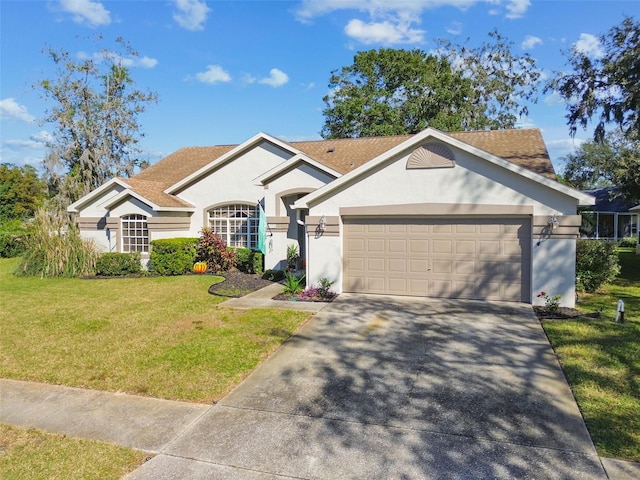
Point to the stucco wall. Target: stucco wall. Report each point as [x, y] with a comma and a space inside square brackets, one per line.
[97, 207]
[232, 182]
[471, 181]
[278, 198]
[554, 262]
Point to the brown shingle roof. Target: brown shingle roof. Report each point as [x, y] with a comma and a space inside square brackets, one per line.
[182, 163]
[154, 192]
[525, 148]
[346, 154]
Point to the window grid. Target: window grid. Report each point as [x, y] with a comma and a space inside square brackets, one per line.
[135, 234]
[236, 224]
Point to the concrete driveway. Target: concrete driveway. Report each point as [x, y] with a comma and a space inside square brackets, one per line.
[395, 387]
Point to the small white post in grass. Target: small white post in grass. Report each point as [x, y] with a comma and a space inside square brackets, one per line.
[620, 312]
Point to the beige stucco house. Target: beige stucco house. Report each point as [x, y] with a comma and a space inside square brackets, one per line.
[459, 215]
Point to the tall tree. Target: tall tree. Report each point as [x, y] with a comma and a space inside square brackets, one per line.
[22, 191]
[613, 161]
[503, 82]
[95, 112]
[605, 87]
[390, 92]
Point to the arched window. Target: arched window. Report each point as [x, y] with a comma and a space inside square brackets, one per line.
[236, 224]
[135, 233]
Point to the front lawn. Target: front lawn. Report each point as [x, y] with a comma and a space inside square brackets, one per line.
[601, 359]
[157, 336]
[28, 454]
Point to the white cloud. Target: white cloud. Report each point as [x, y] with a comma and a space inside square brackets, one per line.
[36, 141]
[146, 62]
[129, 61]
[276, 78]
[561, 147]
[213, 74]
[553, 99]
[530, 42]
[455, 28]
[86, 11]
[248, 79]
[394, 22]
[517, 8]
[589, 45]
[12, 110]
[41, 137]
[383, 32]
[310, 9]
[191, 14]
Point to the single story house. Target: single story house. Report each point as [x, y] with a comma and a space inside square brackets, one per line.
[457, 215]
[611, 218]
[636, 210]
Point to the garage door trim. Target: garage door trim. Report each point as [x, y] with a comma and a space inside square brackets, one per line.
[475, 256]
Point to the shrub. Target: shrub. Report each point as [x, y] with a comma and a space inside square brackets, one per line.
[55, 249]
[249, 261]
[212, 249]
[173, 256]
[273, 275]
[13, 238]
[117, 264]
[319, 293]
[596, 264]
[627, 242]
[258, 262]
[293, 284]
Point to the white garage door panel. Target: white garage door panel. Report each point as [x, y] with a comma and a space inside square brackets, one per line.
[486, 258]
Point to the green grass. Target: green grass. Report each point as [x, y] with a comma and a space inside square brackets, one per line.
[157, 336]
[28, 454]
[601, 359]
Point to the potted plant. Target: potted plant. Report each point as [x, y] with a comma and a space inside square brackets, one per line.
[292, 256]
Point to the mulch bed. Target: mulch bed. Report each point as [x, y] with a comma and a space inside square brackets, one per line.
[563, 313]
[292, 298]
[240, 281]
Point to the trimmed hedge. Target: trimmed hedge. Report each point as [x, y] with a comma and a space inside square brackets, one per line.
[118, 264]
[173, 256]
[274, 275]
[249, 261]
[596, 264]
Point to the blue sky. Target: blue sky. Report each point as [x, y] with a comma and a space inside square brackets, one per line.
[225, 70]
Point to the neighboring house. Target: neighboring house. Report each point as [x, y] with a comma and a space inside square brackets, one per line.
[636, 209]
[459, 215]
[611, 218]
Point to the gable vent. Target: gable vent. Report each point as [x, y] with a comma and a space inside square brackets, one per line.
[431, 155]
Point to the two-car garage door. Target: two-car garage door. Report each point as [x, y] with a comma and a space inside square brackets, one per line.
[480, 258]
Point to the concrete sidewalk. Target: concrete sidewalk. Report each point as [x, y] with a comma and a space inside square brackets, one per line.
[263, 298]
[146, 424]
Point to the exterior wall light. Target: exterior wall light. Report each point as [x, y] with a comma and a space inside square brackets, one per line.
[552, 222]
[323, 224]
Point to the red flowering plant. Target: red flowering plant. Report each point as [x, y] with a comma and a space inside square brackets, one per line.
[551, 303]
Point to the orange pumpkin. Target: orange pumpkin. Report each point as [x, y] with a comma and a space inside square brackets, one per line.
[200, 267]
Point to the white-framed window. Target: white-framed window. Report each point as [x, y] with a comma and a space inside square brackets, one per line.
[236, 224]
[135, 233]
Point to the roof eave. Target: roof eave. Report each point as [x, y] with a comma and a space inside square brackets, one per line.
[292, 163]
[75, 206]
[582, 198]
